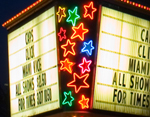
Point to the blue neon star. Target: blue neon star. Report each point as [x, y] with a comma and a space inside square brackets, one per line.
[88, 47]
[73, 16]
[68, 98]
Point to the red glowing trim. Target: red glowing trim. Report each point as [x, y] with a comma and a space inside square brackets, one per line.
[135, 4]
[61, 13]
[65, 47]
[62, 34]
[89, 10]
[77, 81]
[84, 102]
[130, 2]
[79, 32]
[142, 6]
[85, 65]
[66, 65]
[23, 11]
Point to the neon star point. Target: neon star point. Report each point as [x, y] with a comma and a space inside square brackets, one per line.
[85, 65]
[89, 11]
[66, 65]
[70, 46]
[61, 13]
[62, 34]
[68, 98]
[88, 47]
[84, 102]
[79, 82]
[79, 32]
[73, 16]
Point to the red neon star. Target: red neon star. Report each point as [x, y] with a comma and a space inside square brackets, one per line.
[89, 10]
[79, 82]
[70, 46]
[62, 34]
[85, 65]
[66, 65]
[79, 32]
[84, 102]
[61, 13]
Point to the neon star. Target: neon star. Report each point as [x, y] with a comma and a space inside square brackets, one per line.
[66, 65]
[68, 98]
[85, 65]
[89, 11]
[70, 46]
[79, 82]
[62, 34]
[84, 102]
[79, 32]
[61, 13]
[73, 16]
[88, 47]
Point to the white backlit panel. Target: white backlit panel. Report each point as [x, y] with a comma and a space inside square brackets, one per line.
[123, 67]
[33, 67]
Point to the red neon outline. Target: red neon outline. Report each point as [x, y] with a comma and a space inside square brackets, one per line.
[79, 32]
[60, 36]
[84, 102]
[84, 77]
[64, 47]
[90, 6]
[60, 16]
[85, 65]
[66, 65]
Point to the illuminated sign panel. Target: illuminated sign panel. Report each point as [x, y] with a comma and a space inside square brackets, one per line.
[33, 66]
[123, 68]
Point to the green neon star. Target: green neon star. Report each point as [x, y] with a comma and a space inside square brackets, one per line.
[68, 98]
[73, 16]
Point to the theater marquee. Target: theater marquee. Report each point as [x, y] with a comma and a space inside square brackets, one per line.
[123, 67]
[33, 66]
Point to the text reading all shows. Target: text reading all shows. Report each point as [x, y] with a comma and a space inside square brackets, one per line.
[138, 90]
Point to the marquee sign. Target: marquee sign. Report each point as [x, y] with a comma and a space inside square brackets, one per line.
[70, 58]
[33, 66]
[122, 75]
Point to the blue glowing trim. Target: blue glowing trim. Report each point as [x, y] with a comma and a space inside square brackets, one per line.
[88, 47]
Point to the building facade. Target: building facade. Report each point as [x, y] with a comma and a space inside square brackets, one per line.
[80, 59]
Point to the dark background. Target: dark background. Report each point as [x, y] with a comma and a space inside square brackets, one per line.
[9, 8]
